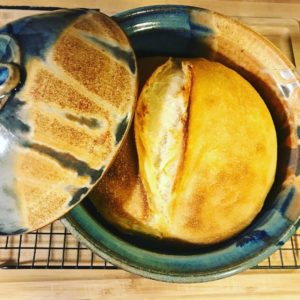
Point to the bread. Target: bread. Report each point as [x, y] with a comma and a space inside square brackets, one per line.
[207, 153]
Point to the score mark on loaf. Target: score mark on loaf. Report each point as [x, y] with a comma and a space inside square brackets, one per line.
[206, 149]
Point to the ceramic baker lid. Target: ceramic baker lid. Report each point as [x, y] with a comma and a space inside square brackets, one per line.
[68, 86]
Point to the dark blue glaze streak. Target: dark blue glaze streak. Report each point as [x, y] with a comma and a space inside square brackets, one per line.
[9, 117]
[4, 74]
[12, 232]
[6, 48]
[126, 56]
[36, 34]
[280, 243]
[122, 126]
[166, 31]
[78, 195]
[254, 236]
[298, 132]
[92, 123]
[287, 200]
[67, 161]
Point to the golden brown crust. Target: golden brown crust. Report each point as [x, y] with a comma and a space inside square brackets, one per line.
[231, 157]
[223, 156]
[120, 195]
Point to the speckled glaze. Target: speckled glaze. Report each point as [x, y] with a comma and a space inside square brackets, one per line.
[68, 84]
[191, 32]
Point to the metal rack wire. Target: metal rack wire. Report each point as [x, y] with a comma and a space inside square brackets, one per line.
[53, 247]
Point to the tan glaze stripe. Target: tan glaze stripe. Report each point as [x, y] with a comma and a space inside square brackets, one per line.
[38, 201]
[58, 104]
[102, 27]
[91, 123]
[56, 131]
[120, 56]
[56, 92]
[102, 75]
[60, 129]
[30, 163]
[114, 112]
[63, 136]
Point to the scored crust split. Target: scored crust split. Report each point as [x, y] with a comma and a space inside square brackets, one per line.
[206, 149]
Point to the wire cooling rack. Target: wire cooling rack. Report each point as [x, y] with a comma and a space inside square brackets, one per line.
[53, 247]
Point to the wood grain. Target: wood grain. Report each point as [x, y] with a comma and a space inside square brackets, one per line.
[256, 8]
[117, 284]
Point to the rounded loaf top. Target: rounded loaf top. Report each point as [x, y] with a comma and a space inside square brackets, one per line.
[207, 151]
[68, 89]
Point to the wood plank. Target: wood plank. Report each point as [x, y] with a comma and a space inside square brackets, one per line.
[289, 9]
[117, 284]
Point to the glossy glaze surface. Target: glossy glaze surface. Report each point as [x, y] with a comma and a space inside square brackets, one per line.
[68, 88]
[186, 31]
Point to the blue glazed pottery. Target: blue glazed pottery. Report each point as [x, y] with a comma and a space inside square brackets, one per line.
[68, 84]
[181, 31]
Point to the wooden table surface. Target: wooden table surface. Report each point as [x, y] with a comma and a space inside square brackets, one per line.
[117, 284]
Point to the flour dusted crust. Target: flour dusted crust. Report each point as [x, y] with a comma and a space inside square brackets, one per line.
[206, 150]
